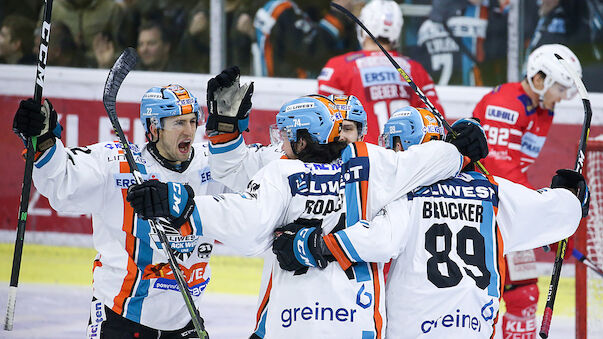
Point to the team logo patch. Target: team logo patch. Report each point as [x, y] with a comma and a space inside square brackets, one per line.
[501, 114]
[325, 74]
[204, 250]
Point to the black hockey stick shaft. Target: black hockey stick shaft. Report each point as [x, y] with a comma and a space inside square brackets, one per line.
[123, 65]
[404, 75]
[562, 246]
[26, 185]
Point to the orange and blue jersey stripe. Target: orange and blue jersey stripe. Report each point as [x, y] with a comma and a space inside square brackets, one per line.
[134, 289]
[260, 321]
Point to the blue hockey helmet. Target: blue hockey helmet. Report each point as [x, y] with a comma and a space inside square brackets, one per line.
[351, 108]
[314, 113]
[413, 126]
[167, 101]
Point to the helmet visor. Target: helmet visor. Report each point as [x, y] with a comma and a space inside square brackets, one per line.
[277, 135]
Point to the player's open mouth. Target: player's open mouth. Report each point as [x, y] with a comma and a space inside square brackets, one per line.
[184, 147]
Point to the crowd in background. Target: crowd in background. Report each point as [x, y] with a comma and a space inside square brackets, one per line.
[459, 42]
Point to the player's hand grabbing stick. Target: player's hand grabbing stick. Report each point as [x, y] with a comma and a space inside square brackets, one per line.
[29, 160]
[123, 65]
[550, 301]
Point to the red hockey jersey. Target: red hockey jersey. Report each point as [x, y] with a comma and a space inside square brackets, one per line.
[516, 129]
[377, 84]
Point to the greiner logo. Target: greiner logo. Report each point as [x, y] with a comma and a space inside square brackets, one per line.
[458, 320]
[318, 313]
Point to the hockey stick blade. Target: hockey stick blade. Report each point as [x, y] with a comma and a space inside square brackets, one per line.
[123, 65]
[406, 77]
[562, 246]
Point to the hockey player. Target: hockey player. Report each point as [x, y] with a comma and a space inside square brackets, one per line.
[447, 241]
[304, 188]
[369, 75]
[517, 118]
[134, 294]
[410, 126]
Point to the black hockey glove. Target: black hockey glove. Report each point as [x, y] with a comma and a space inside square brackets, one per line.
[470, 139]
[298, 245]
[34, 120]
[228, 103]
[153, 199]
[574, 182]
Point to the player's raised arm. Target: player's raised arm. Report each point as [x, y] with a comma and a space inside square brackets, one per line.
[231, 161]
[65, 176]
[530, 219]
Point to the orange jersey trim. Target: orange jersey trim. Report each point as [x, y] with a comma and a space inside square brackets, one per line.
[132, 270]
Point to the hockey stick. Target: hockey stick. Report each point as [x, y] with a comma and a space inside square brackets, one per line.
[26, 185]
[582, 258]
[587, 262]
[123, 65]
[404, 75]
[562, 246]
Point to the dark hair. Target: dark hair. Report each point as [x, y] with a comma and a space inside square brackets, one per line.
[148, 25]
[21, 29]
[318, 153]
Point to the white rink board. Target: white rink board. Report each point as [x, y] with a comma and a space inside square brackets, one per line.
[269, 93]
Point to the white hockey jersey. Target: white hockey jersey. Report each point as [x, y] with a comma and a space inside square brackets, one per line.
[131, 274]
[234, 163]
[321, 303]
[448, 242]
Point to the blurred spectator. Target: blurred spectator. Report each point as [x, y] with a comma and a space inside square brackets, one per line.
[24, 8]
[154, 48]
[173, 15]
[62, 50]
[561, 21]
[87, 18]
[16, 40]
[240, 32]
[291, 42]
[369, 75]
[342, 29]
[452, 40]
[193, 50]
[103, 47]
[576, 24]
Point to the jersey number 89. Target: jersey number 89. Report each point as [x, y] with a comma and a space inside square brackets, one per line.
[472, 256]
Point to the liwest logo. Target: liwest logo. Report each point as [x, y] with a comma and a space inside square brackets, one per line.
[501, 114]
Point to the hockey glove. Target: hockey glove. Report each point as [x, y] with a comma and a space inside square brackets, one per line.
[228, 104]
[470, 139]
[153, 199]
[33, 120]
[298, 245]
[574, 182]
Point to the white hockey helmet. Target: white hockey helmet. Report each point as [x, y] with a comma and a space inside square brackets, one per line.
[383, 18]
[543, 59]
